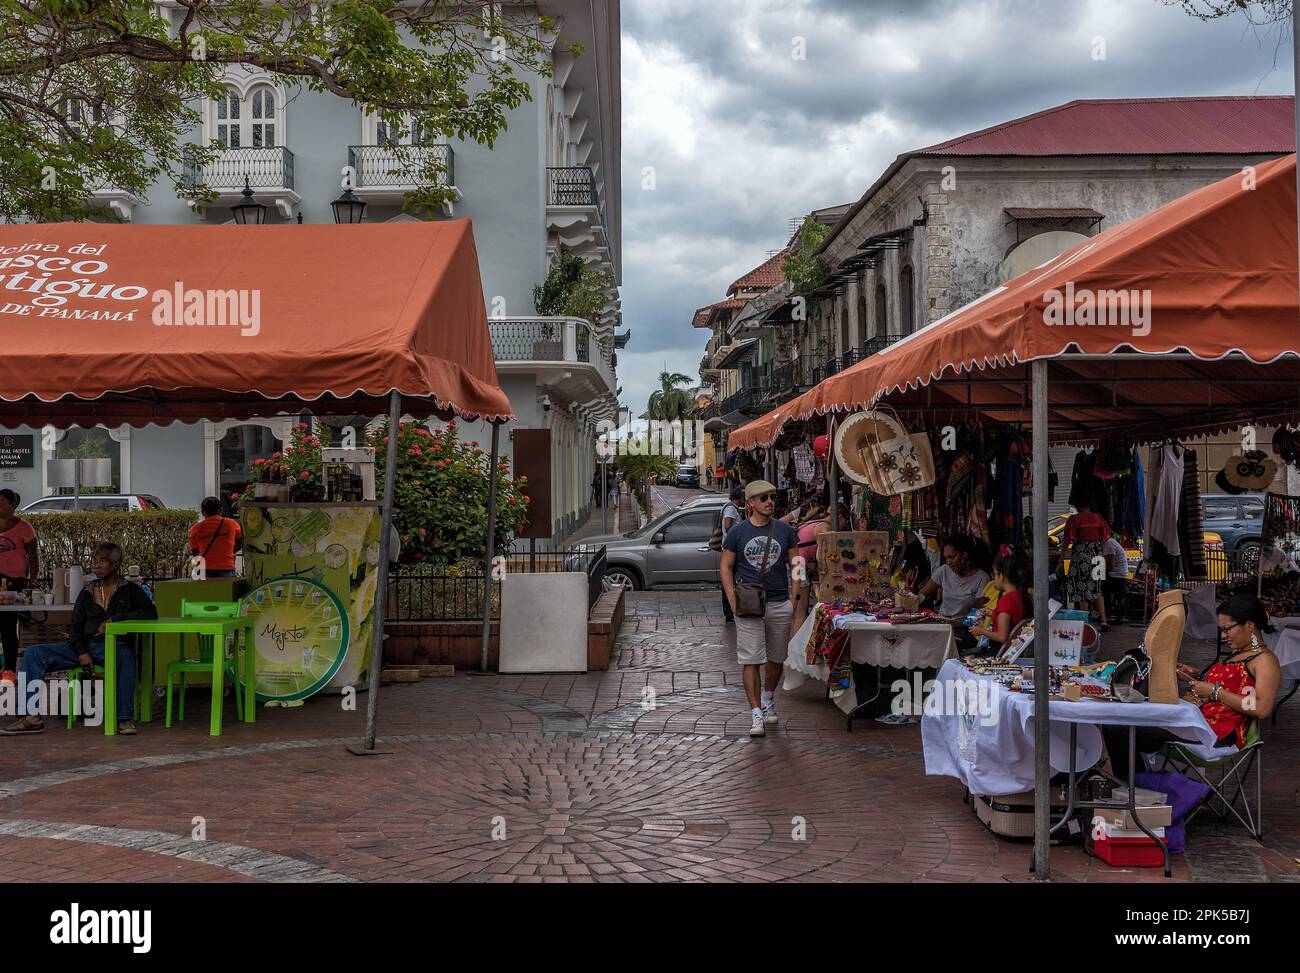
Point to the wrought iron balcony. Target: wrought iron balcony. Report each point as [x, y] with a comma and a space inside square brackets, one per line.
[399, 167]
[571, 186]
[264, 168]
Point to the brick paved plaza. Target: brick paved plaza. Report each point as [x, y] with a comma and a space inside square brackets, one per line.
[587, 784]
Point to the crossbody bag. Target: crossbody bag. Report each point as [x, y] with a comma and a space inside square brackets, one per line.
[751, 597]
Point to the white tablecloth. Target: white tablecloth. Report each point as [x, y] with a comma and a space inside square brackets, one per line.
[1285, 643]
[871, 643]
[978, 731]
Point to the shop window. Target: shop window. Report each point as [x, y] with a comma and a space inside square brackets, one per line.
[93, 443]
[237, 452]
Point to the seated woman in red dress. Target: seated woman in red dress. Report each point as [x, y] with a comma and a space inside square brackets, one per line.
[1241, 688]
[1010, 575]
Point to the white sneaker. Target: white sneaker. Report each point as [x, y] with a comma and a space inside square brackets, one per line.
[769, 713]
[758, 730]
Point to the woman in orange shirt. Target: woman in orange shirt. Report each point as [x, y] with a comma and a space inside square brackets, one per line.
[215, 539]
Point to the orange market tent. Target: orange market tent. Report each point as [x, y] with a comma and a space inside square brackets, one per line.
[109, 323]
[344, 315]
[1184, 321]
[1202, 294]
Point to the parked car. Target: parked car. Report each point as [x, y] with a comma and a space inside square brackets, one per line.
[1239, 520]
[715, 500]
[671, 549]
[688, 476]
[1216, 563]
[96, 501]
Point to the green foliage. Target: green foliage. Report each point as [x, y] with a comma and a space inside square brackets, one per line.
[803, 268]
[157, 540]
[640, 468]
[668, 401]
[441, 494]
[572, 289]
[452, 70]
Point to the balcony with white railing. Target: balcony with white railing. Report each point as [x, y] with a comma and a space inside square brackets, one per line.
[386, 173]
[564, 353]
[267, 171]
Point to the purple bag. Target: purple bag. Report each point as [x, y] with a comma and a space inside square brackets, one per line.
[1184, 795]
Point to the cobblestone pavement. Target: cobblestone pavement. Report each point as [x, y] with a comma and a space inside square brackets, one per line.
[550, 779]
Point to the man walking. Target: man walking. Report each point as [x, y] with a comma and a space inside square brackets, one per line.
[762, 550]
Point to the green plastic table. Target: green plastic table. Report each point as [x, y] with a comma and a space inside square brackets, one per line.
[216, 628]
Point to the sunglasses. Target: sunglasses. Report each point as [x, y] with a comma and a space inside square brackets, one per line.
[765, 497]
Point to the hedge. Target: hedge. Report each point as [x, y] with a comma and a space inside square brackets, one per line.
[157, 540]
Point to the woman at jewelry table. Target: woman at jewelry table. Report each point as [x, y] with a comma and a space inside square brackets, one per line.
[18, 564]
[961, 584]
[1010, 575]
[1241, 688]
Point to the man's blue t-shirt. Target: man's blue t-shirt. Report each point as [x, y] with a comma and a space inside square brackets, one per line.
[746, 542]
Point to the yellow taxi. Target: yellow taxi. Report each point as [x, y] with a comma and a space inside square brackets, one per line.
[1216, 560]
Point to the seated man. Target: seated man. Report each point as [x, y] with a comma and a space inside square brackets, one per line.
[109, 598]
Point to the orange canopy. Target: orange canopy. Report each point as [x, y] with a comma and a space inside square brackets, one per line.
[147, 324]
[1165, 323]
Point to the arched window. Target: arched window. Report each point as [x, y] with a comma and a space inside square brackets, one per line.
[844, 327]
[247, 121]
[882, 310]
[906, 313]
[862, 314]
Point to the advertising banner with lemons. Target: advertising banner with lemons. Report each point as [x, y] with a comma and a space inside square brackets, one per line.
[312, 570]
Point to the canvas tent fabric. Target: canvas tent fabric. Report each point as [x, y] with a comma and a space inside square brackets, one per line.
[137, 324]
[1217, 347]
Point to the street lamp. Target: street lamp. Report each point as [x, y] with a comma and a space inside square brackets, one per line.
[248, 211]
[347, 208]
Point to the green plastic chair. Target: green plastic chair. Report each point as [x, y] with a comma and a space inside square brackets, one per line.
[74, 696]
[1228, 778]
[203, 609]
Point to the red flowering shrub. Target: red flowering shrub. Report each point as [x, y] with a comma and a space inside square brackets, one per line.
[440, 497]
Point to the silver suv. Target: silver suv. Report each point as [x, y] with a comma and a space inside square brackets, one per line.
[671, 549]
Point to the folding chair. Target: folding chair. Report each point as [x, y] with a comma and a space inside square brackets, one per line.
[1219, 769]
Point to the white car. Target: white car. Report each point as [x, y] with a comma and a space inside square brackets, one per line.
[95, 501]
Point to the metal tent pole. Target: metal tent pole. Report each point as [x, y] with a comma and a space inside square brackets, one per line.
[385, 549]
[1042, 727]
[832, 472]
[491, 538]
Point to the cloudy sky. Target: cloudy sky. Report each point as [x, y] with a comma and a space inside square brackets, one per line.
[742, 136]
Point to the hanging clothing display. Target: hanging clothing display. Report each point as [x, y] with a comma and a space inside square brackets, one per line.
[1169, 490]
[804, 466]
[1281, 528]
[1191, 520]
[1011, 463]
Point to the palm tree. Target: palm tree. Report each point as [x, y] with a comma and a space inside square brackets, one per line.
[671, 402]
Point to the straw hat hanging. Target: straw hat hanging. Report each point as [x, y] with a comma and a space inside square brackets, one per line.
[854, 439]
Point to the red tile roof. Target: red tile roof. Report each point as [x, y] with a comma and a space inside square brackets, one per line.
[705, 315]
[1139, 126]
[766, 275]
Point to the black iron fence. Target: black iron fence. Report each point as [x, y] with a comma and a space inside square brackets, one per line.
[265, 168]
[395, 167]
[422, 593]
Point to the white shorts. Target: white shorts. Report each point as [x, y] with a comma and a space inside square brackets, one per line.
[765, 639]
